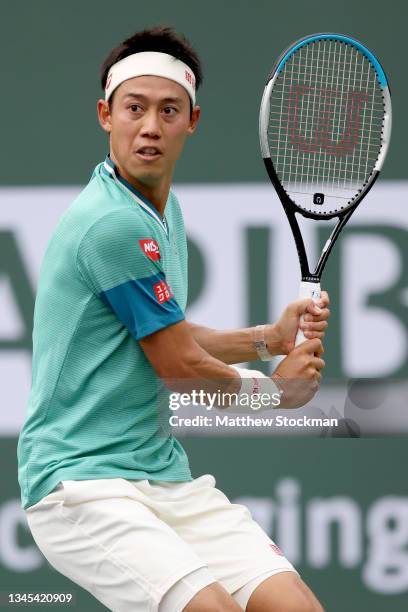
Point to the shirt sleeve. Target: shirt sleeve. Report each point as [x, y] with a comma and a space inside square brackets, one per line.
[120, 261]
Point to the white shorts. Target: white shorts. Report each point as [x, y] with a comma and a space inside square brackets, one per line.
[147, 546]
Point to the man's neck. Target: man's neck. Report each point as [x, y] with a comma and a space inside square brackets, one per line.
[156, 194]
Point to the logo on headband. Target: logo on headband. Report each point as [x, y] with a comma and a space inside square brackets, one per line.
[108, 82]
[189, 78]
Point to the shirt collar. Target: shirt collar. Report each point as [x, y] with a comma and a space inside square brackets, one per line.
[109, 169]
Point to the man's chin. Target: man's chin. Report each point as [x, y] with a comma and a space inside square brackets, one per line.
[146, 174]
[149, 179]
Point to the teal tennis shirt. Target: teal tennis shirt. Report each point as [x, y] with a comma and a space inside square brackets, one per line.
[114, 271]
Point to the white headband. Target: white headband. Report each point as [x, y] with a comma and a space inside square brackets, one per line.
[151, 63]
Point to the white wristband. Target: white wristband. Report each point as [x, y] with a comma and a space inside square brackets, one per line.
[255, 383]
[260, 344]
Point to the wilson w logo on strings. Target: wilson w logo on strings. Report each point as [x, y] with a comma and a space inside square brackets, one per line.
[327, 119]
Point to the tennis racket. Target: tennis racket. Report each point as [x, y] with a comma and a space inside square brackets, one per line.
[324, 128]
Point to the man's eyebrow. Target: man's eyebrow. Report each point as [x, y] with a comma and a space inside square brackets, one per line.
[145, 98]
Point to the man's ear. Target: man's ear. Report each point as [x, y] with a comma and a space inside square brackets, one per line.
[104, 115]
[195, 116]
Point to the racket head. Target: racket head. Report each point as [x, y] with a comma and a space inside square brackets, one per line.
[325, 124]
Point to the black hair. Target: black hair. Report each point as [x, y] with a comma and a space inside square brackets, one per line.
[160, 38]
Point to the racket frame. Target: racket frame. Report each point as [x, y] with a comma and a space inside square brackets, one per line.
[290, 207]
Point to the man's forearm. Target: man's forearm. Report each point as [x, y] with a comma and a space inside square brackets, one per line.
[233, 345]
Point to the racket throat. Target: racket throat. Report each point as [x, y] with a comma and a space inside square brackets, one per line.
[311, 279]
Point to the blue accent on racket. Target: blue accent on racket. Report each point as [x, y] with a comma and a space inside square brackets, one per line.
[342, 38]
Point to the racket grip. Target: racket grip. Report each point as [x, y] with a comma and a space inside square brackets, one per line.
[307, 289]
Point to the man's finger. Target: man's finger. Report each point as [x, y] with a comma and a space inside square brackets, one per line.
[324, 299]
[311, 346]
[313, 309]
[313, 334]
[324, 314]
[299, 307]
[314, 325]
[318, 363]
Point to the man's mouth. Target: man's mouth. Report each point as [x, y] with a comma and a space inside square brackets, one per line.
[148, 152]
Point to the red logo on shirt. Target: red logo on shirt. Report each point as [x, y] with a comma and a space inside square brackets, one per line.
[276, 549]
[163, 292]
[150, 248]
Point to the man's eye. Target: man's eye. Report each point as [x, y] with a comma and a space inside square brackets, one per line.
[169, 110]
[135, 108]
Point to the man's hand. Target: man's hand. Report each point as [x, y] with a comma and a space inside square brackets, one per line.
[298, 375]
[282, 335]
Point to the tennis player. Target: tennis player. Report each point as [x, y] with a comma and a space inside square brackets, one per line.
[109, 499]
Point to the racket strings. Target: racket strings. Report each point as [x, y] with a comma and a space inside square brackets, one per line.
[325, 122]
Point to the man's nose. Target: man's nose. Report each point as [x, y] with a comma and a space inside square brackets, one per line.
[151, 124]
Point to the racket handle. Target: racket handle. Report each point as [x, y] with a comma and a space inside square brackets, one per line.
[307, 289]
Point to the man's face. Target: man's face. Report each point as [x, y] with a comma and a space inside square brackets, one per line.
[148, 123]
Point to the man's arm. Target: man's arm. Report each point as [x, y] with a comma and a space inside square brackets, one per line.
[232, 345]
[178, 359]
[183, 365]
[237, 345]
[174, 353]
